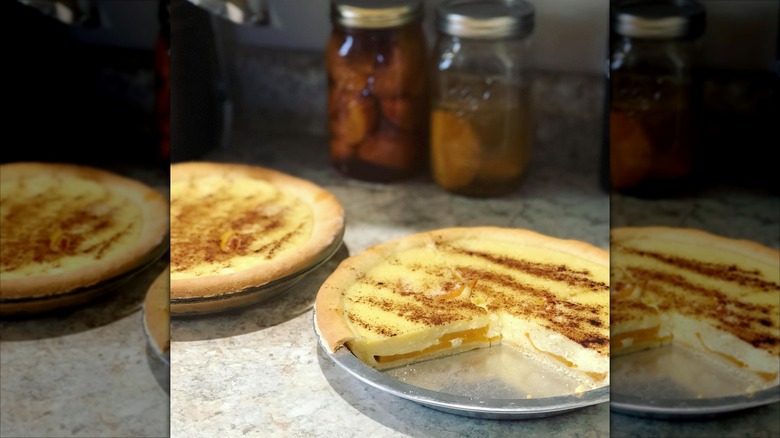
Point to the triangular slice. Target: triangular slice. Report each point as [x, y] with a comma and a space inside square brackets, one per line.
[157, 314]
[445, 291]
[717, 295]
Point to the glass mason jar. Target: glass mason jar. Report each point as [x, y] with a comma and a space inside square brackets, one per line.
[377, 89]
[481, 121]
[651, 121]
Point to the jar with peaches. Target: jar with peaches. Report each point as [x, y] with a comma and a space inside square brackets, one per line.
[481, 121]
[376, 63]
[652, 132]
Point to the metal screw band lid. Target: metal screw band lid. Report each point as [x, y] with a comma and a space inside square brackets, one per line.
[375, 14]
[659, 19]
[485, 19]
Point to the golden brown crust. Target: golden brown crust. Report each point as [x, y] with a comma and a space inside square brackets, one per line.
[30, 227]
[327, 222]
[327, 307]
[330, 321]
[157, 312]
[700, 237]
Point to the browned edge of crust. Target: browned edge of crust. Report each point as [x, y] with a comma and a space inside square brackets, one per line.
[329, 319]
[328, 215]
[152, 204]
[156, 311]
[743, 247]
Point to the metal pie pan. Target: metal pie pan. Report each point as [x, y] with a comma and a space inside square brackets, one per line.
[164, 356]
[677, 382]
[691, 408]
[65, 300]
[462, 399]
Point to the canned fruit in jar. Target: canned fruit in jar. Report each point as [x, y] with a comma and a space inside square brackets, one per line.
[378, 101]
[480, 152]
[390, 148]
[455, 150]
[500, 169]
[348, 73]
[352, 118]
[398, 73]
[631, 153]
[340, 150]
[403, 112]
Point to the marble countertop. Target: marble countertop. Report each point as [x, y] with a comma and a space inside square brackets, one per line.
[259, 371]
[87, 371]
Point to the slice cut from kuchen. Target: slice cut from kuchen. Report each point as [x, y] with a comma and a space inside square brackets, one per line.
[157, 314]
[450, 290]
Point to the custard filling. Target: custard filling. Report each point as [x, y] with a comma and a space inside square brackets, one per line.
[764, 375]
[472, 336]
[557, 357]
[594, 375]
[642, 336]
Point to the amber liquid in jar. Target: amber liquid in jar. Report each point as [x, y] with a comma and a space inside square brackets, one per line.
[377, 102]
[480, 134]
[651, 134]
[652, 130]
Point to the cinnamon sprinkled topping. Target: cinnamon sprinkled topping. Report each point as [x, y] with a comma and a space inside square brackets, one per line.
[560, 273]
[750, 322]
[68, 229]
[731, 273]
[258, 226]
[499, 286]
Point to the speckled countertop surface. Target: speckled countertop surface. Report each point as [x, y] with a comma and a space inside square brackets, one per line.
[87, 371]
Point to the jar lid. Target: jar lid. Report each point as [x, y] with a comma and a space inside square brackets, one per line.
[659, 19]
[485, 19]
[375, 14]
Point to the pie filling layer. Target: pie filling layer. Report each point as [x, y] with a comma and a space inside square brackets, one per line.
[719, 302]
[473, 337]
[767, 376]
[641, 339]
[464, 340]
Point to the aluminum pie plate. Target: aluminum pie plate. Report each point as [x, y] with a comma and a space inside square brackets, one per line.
[488, 383]
[196, 306]
[162, 354]
[673, 382]
[76, 297]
